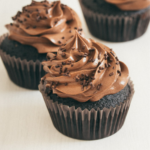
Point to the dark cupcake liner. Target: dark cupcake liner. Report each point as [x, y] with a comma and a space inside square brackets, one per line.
[116, 28]
[24, 73]
[85, 124]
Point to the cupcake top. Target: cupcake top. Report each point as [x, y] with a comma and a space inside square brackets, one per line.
[130, 4]
[84, 70]
[44, 25]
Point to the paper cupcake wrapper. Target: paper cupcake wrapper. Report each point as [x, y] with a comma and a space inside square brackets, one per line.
[24, 73]
[85, 124]
[116, 28]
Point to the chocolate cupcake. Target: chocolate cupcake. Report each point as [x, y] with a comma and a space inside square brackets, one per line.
[40, 28]
[116, 20]
[87, 89]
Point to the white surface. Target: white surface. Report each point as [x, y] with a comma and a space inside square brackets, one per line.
[24, 120]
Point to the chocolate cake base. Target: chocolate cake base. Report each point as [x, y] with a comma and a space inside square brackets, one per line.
[107, 22]
[22, 62]
[90, 120]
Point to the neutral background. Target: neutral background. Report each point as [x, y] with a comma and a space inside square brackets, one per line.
[24, 120]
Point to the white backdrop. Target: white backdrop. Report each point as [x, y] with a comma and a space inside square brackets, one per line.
[24, 120]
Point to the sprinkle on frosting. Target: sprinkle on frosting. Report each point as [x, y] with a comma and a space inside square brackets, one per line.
[43, 24]
[84, 70]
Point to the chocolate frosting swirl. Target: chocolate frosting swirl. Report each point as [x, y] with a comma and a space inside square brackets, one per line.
[44, 25]
[84, 70]
[130, 4]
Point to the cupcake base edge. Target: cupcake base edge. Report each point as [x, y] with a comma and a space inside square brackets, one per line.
[85, 124]
[26, 74]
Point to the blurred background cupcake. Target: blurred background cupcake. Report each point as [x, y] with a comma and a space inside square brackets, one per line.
[87, 89]
[116, 20]
[40, 28]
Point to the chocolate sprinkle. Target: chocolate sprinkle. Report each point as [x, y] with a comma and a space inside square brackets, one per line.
[63, 54]
[63, 63]
[65, 70]
[111, 74]
[46, 11]
[48, 89]
[72, 65]
[57, 66]
[112, 53]
[80, 29]
[28, 15]
[66, 84]
[109, 65]
[119, 72]
[98, 86]
[17, 25]
[106, 65]
[101, 68]
[99, 71]
[83, 47]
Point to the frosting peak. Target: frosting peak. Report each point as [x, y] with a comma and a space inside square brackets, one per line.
[44, 25]
[130, 4]
[84, 70]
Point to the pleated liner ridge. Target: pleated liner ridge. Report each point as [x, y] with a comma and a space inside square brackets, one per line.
[85, 124]
[24, 73]
[116, 28]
